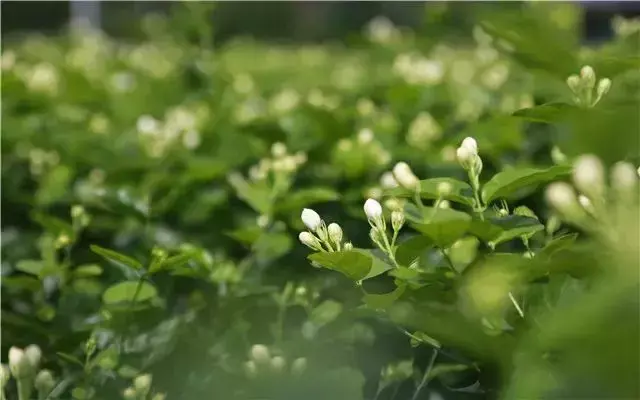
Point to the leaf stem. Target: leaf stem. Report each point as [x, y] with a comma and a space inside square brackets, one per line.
[449, 262]
[516, 305]
[427, 372]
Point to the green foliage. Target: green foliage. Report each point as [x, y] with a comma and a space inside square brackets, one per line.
[152, 193]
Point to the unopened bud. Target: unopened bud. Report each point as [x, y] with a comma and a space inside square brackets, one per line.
[444, 204]
[603, 87]
[278, 363]
[404, 176]
[624, 177]
[44, 382]
[573, 82]
[471, 144]
[77, 211]
[444, 189]
[348, 246]
[387, 181]
[335, 233]
[260, 353]
[586, 203]
[311, 219]
[278, 150]
[561, 196]
[301, 291]
[393, 204]
[372, 209]
[557, 155]
[365, 136]
[588, 76]
[588, 175]
[374, 234]
[299, 365]
[465, 157]
[129, 394]
[142, 384]
[397, 220]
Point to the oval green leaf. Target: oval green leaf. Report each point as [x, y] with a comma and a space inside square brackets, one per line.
[355, 265]
[460, 192]
[127, 291]
[116, 257]
[506, 183]
[442, 225]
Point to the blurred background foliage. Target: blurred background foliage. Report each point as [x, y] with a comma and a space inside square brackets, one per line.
[163, 130]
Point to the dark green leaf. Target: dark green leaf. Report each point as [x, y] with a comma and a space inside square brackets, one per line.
[87, 270]
[410, 250]
[33, 267]
[326, 312]
[383, 301]
[355, 265]
[506, 183]
[116, 257]
[548, 113]
[502, 229]
[443, 226]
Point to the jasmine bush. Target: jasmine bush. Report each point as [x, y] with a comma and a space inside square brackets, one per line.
[465, 203]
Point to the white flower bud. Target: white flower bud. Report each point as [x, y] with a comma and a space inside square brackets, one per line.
[573, 82]
[142, 383]
[393, 204]
[387, 181]
[260, 353]
[588, 175]
[560, 195]
[5, 375]
[444, 204]
[278, 149]
[299, 365]
[348, 246]
[311, 219]
[444, 189]
[309, 240]
[44, 382]
[624, 176]
[335, 233]
[603, 86]
[129, 394]
[465, 157]
[372, 209]
[33, 354]
[159, 396]
[278, 363]
[365, 136]
[586, 203]
[588, 76]
[19, 363]
[404, 176]
[77, 211]
[397, 220]
[471, 144]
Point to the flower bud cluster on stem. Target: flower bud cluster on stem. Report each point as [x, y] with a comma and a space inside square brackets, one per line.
[469, 159]
[262, 362]
[378, 232]
[583, 85]
[319, 237]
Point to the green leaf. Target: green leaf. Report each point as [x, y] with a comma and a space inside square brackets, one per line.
[410, 250]
[256, 195]
[548, 113]
[378, 266]
[272, 245]
[326, 312]
[116, 257]
[53, 225]
[125, 292]
[70, 358]
[355, 265]
[460, 192]
[33, 267]
[172, 262]
[246, 235]
[87, 270]
[441, 225]
[501, 229]
[506, 183]
[383, 301]
[305, 197]
[557, 244]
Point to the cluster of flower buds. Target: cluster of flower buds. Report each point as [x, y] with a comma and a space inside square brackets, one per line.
[359, 155]
[467, 155]
[424, 130]
[589, 179]
[261, 361]
[318, 99]
[180, 123]
[583, 85]
[24, 366]
[381, 30]
[320, 235]
[378, 232]
[284, 101]
[417, 70]
[281, 162]
[141, 388]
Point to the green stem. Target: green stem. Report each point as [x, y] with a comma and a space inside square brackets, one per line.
[418, 199]
[389, 249]
[449, 262]
[516, 305]
[427, 372]
[24, 389]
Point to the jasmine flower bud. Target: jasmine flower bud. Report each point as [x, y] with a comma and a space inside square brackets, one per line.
[375, 236]
[311, 219]
[44, 382]
[278, 363]
[299, 365]
[444, 189]
[278, 150]
[603, 87]
[260, 353]
[404, 176]
[623, 176]
[471, 144]
[588, 76]
[142, 384]
[465, 157]
[560, 195]
[33, 354]
[309, 240]
[573, 82]
[588, 175]
[348, 246]
[586, 203]
[335, 233]
[387, 181]
[397, 220]
[372, 209]
[18, 363]
[129, 394]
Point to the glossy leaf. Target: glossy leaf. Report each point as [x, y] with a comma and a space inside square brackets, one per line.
[501, 229]
[505, 184]
[355, 265]
[548, 113]
[460, 192]
[441, 225]
[410, 250]
[116, 257]
[127, 292]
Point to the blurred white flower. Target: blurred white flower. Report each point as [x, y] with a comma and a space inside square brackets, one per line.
[588, 175]
[387, 181]
[191, 139]
[365, 136]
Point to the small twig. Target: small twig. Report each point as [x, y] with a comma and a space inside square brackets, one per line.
[427, 372]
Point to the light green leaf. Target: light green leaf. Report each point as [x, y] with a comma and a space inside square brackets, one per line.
[256, 195]
[33, 267]
[383, 301]
[125, 292]
[410, 250]
[326, 312]
[460, 192]
[378, 266]
[304, 197]
[507, 183]
[502, 229]
[548, 113]
[355, 265]
[87, 270]
[557, 244]
[116, 257]
[442, 225]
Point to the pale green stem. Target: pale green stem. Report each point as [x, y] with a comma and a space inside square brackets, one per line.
[24, 388]
[516, 305]
[427, 372]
